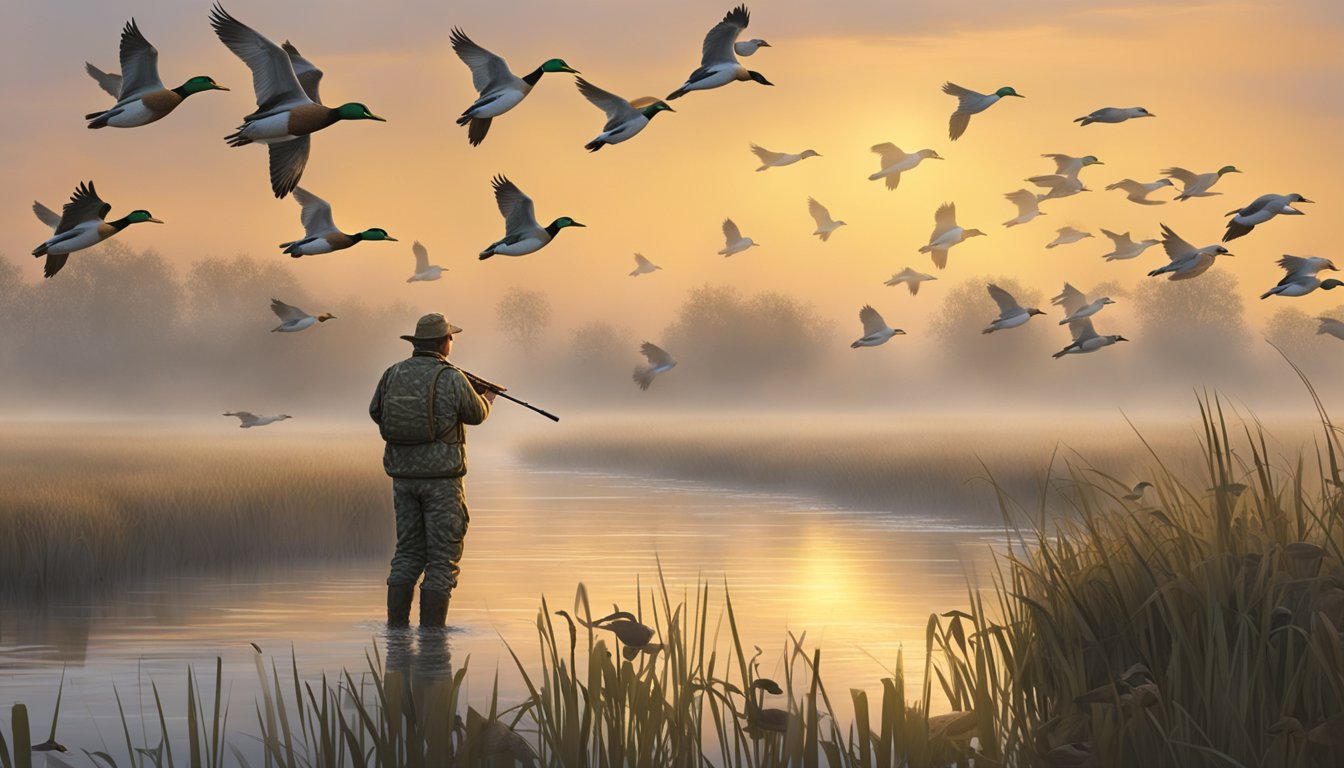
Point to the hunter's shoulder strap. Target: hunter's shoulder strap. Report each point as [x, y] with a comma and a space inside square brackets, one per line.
[434, 395]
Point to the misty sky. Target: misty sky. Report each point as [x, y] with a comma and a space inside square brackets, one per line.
[1242, 84]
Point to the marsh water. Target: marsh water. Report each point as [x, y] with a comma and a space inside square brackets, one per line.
[861, 584]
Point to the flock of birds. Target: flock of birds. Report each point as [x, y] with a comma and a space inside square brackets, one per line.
[290, 111]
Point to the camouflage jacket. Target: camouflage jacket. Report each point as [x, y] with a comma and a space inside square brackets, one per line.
[442, 453]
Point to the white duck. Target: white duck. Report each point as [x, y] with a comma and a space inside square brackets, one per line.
[624, 119]
[1068, 165]
[734, 241]
[946, 233]
[1197, 184]
[780, 159]
[895, 162]
[1301, 277]
[248, 419]
[1075, 304]
[1126, 248]
[1187, 261]
[1137, 192]
[876, 332]
[1086, 339]
[1011, 314]
[659, 362]
[825, 224]
[910, 278]
[718, 59]
[1113, 115]
[424, 271]
[1331, 327]
[1027, 207]
[1067, 235]
[1260, 210]
[971, 103]
[293, 319]
[643, 266]
[1060, 185]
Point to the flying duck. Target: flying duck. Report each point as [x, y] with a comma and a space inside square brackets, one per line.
[659, 362]
[1068, 165]
[718, 59]
[1113, 115]
[780, 159]
[911, 278]
[1075, 304]
[624, 119]
[825, 224]
[424, 271]
[141, 97]
[1301, 276]
[320, 234]
[248, 420]
[522, 233]
[734, 242]
[1137, 192]
[894, 161]
[1124, 247]
[1067, 235]
[876, 332]
[500, 90]
[1197, 184]
[946, 234]
[1262, 209]
[971, 103]
[1331, 326]
[1011, 314]
[293, 319]
[1187, 261]
[1059, 184]
[82, 225]
[643, 266]
[286, 115]
[1027, 207]
[1086, 339]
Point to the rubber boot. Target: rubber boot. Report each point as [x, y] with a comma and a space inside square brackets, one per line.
[399, 597]
[433, 607]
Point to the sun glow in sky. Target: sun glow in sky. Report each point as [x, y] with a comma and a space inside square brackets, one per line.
[1241, 84]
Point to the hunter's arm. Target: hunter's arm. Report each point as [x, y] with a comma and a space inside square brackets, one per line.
[376, 406]
[471, 407]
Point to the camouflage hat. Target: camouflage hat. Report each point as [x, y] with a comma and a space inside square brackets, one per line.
[433, 326]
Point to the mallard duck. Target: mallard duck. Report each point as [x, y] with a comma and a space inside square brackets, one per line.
[81, 226]
[895, 161]
[911, 278]
[1011, 314]
[500, 90]
[1086, 339]
[320, 234]
[1330, 326]
[309, 75]
[1075, 304]
[1187, 261]
[1066, 235]
[1113, 115]
[876, 332]
[624, 119]
[1260, 210]
[971, 103]
[1125, 247]
[1028, 207]
[946, 233]
[293, 319]
[141, 97]
[286, 116]
[659, 362]
[825, 224]
[643, 266]
[424, 271]
[247, 419]
[780, 159]
[718, 58]
[734, 242]
[1301, 276]
[1197, 184]
[522, 233]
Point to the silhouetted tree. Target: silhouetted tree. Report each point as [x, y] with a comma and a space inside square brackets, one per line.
[1195, 326]
[523, 316]
[1004, 359]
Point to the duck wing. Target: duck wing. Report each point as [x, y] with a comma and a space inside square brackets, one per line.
[642, 262]
[84, 205]
[273, 79]
[1062, 162]
[516, 207]
[1297, 266]
[287, 312]
[106, 80]
[421, 257]
[1172, 243]
[1121, 241]
[730, 232]
[139, 63]
[718, 45]
[316, 213]
[656, 355]
[872, 321]
[487, 69]
[767, 157]
[1180, 174]
[246, 417]
[819, 213]
[889, 153]
[1071, 299]
[46, 215]
[309, 76]
[1025, 200]
[618, 110]
[945, 219]
[1082, 330]
[1008, 306]
[287, 161]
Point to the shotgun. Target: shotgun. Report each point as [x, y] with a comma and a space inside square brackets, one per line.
[481, 385]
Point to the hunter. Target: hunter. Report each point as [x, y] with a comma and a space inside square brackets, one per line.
[421, 406]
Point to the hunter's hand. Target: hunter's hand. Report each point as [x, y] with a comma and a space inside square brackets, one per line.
[489, 396]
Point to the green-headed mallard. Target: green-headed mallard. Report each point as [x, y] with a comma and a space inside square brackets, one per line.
[141, 97]
[286, 115]
[320, 234]
[1300, 276]
[81, 226]
[718, 57]
[624, 118]
[522, 233]
[971, 103]
[500, 90]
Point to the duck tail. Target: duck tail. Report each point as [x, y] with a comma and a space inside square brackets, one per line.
[1061, 353]
[594, 145]
[855, 345]
[822, 235]
[677, 94]
[1083, 120]
[463, 120]
[40, 250]
[1268, 293]
[990, 329]
[237, 139]
[485, 255]
[1235, 230]
[476, 130]
[98, 119]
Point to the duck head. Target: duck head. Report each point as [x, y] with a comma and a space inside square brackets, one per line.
[1106, 300]
[1034, 311]
[1007, 90]
[759, 43]
[140, 216]
[198, 84]
[376, 233]
[1219, 250]
[558, 65]
[356, 111]
[649, 110]
[322, 318]
[806, 153]
[1119, 338]
[1330, 284]
[975, 233]
[1296, 198]
[1091, 160]
[758, 77]
[565, 221]
[929, 154]
[1228, 169]
[1141, 112]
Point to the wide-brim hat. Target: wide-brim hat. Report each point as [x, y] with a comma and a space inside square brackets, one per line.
[433, 326]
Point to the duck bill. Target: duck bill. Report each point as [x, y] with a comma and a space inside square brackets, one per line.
[390, 239]
[571, 71]
[377, 117]
[577, 224]
[218, 87]
[154, 220]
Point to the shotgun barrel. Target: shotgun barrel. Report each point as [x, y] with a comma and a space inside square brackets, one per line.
[483, 385]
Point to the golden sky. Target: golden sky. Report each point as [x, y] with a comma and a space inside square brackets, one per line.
[1242, 84]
